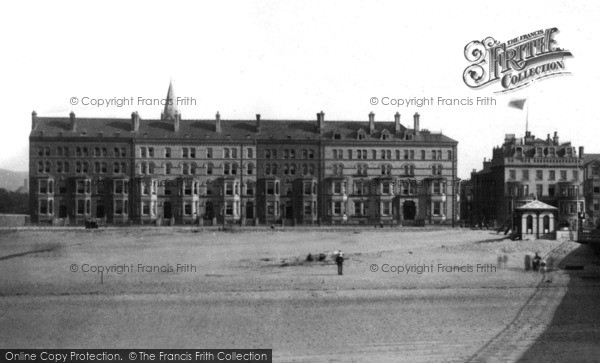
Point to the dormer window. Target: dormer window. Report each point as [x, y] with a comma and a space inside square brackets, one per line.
[337, 135]
[361, 135]
[385, 135]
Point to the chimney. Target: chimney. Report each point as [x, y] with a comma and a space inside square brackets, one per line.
[176, 120]
[417, 127]
[218, 122]
[33, 120]
[555, 138]
[397, 122]
[371, 123]
[135, 122]
[258, 122]
[548, 140]
[581, 151]
[320, 121]
[72, 121]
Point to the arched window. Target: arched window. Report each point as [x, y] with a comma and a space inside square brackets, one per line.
[286, 169]
[67, 165]
[186, 169]
[530, 223]
[193, 169]
[304, 169]
[209, 168]
[267, 169]
[234, 167]
[168, 168]
[274, 168]
[151, 168]
[85, 166]
[250, 169]
[311, 169]
[292, 169]
[546, 223]
[142, 168]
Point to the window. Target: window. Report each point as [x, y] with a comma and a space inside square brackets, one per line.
[167, 152]
[563, 175]
[551, 190]
[449, 152]
[250, 169]
[186, 169]
[209, 169]
[539, 175]
[249, 153]
[337, 208]
[267, 153]
[575, 175]
[226, 154]
[385, 188]
[539, 190]
[552, 175]
[385, 210]
[350, 154]
[307, 208]
[274, 168]
[337, 188]
[142, 152]
[307, 188]
[406, 154]
[409, 170]
[168, 168]
[437, 208]
[47, 151]
[185, 152]
[292, 169]
[525, 175]
[123, 152]
[209, 153]
[151, 152]
[512, 174]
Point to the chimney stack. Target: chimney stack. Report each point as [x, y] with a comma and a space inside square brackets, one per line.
[581, 151]
[397, 122]
[135, 122]
[33, 120]
[417, 127]
[321, 121]
[555, 138]
[371, 123]
[176, 120]
[72, 121]
[258, 122]
[218, 122]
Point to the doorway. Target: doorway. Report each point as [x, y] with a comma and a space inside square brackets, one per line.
[409, 210]
[167, 210]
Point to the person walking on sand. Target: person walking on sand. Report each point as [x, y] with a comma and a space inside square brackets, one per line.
[339, 261]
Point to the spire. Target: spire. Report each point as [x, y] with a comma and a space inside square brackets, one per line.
[170, 104]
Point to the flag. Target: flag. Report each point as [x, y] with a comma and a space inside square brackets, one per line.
[520, 104]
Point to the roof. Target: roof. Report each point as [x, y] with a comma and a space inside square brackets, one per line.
[588, 158]
[537, 205]
[235, 129]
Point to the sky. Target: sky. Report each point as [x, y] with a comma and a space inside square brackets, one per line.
[290, 60]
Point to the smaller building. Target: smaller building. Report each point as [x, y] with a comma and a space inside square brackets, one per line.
[536, 220]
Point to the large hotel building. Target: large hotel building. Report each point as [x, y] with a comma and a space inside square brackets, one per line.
[176, 171]
[528, 168]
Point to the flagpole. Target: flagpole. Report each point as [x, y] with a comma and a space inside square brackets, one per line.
[527, 117]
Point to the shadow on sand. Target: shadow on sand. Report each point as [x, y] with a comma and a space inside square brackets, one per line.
[574, 332]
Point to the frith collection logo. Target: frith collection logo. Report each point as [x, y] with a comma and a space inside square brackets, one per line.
[515, 63]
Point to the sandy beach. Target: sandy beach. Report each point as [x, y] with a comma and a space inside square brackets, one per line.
[405, 295]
